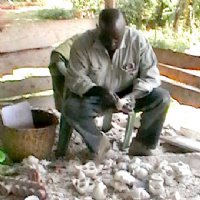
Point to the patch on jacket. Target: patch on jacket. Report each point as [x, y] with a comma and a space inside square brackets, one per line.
[130, 67]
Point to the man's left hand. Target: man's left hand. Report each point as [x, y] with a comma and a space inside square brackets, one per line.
[126, 105]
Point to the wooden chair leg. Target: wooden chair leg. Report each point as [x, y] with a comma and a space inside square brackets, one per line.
[129, 129]
[107, 119]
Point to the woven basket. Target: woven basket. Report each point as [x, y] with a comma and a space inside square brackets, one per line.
[20, 143]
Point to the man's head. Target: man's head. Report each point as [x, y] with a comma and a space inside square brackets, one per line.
[111, 28]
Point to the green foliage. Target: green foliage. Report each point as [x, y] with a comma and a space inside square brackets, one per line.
[167, 39]
[147, 13]
[159, 18]
[137, 12]
[56, 13]
[196, 6]
[87, 4]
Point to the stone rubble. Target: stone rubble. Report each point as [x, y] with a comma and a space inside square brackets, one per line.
[118, 177]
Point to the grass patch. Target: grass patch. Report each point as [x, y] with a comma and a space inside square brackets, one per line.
[55, 14]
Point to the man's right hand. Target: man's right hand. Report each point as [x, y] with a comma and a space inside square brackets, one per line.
[101, 96]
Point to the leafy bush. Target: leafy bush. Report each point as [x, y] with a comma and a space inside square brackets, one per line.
[136, 12]
[56, 13]
[94, 5]
[167, 39]
[147, 13]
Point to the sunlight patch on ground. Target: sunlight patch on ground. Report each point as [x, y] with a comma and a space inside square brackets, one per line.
[25, 96]
[20, 74]
[194, 49]
[183, 116]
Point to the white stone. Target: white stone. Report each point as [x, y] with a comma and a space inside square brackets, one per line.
[89, 169]
[141, 173]
[32, 197]
[122, 166]
[138, 194]
[118, 186]
[81, 175]
[100, 190]
[111, 154]
[124, 177]
[33, 163]
[136, 160]
[181, 169]
[30, 161]
[146, 166]
[132, 167]
[176, 196]
[83, 186]
[156, 186]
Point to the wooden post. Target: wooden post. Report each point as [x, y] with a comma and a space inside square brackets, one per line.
[110, 3]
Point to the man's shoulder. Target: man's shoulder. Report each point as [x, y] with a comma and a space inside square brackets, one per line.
[86, 39]
[135, 37]
[133, 33]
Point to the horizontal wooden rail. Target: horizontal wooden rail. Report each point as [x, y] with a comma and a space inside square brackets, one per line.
[25, 86]
[26, 58]
[43, 102]
[182, 60]
[180, 75]
[184, 94]
[41, 34]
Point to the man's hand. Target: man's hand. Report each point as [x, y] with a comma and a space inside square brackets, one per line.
[102, 97]
[126, 105]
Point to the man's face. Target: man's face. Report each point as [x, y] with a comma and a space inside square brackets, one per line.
[111, 36]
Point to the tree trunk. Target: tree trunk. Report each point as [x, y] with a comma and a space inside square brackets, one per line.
[110, 3]
[179, 10]
[160, 9]
[188, 14]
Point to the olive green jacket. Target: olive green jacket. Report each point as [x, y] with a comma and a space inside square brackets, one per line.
[59, 63]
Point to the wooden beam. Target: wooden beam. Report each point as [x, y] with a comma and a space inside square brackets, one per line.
[25, 86]
[177, 59]
[184, 94]
[43, 102]
[180, 75]
[25, 58]
[183, 142]
[41, 34]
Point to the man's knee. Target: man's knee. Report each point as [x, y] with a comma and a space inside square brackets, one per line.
[71, 105]
[164, 96]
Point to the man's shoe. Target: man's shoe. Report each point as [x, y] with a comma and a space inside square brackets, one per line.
[138, 149]
[103, 148]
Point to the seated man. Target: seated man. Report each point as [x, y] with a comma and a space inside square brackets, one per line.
[108, 64]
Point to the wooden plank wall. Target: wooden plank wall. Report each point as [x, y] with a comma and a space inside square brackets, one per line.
[24, 58]
[177, 59]
[25, 86]
[29, 45]
[40, 34]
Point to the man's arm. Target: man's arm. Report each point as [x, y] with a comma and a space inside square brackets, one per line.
[77, 79]
[149, 77]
